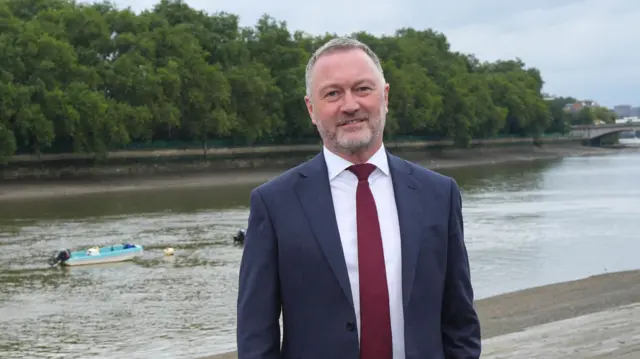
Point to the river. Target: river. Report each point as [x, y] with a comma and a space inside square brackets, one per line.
[527, 224]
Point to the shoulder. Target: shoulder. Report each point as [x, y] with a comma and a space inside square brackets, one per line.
[426, 177]
[434, 187]
[431, 175]
[283, 182]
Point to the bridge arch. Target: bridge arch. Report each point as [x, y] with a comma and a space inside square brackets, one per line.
[593, 134]
[597, 140]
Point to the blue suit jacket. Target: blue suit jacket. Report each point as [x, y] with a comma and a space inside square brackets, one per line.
[293, 261]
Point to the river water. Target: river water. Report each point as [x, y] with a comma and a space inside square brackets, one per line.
[526, 225]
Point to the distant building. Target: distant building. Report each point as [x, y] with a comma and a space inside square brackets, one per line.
[622, 110]
[578, 106]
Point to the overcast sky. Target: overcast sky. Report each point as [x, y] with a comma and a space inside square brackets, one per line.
[589, 49]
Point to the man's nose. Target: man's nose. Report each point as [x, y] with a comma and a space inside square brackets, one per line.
[350, 103]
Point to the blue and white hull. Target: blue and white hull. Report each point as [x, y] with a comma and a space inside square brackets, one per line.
[109, 254]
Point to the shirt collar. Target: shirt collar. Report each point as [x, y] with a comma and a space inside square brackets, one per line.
[337, 164]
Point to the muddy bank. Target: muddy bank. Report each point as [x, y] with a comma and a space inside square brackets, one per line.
[515, 312]
[153, 163]
[27, 188]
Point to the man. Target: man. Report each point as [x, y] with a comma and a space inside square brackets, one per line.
[361, 251]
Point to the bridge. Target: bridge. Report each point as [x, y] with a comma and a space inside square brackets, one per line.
[593, 133]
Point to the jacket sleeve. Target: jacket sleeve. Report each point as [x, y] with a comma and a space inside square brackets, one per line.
[258, 311]
[460, 323]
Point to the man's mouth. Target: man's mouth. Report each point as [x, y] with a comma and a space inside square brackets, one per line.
[351, 122]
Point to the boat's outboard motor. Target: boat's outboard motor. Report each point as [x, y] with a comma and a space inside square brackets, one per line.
[239, 237]
[62, 256]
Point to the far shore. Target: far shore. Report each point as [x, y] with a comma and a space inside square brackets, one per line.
[569, 306]
[40, 189]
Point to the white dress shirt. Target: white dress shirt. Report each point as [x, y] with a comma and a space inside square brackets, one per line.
[343, 190]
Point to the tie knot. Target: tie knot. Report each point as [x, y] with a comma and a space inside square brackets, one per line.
[362, 171]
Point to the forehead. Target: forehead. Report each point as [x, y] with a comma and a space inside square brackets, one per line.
[343, 67]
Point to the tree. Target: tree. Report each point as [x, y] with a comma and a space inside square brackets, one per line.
[91, 78]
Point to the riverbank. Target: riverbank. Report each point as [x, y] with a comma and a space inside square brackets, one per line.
[153, 163]
[451, 158]
[597, 317]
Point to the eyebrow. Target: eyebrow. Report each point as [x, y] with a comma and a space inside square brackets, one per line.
[357, 83]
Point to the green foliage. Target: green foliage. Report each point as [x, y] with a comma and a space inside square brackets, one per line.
[93, 78]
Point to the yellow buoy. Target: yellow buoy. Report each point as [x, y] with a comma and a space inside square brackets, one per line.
[168, 251]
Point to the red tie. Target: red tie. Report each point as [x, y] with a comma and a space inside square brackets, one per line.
[375, 325]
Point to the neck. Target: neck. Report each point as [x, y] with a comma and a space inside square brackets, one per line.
[359, 156]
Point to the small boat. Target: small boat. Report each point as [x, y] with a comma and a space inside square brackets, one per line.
[96, 255]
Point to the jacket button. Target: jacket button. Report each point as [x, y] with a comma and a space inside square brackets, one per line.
[351, 326]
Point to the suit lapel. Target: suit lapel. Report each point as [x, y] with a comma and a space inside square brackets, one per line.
[314, 193]
[411, 219]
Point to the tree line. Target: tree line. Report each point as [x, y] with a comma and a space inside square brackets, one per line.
[92, 78]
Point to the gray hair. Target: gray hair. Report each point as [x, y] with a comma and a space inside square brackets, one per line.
[335, 45]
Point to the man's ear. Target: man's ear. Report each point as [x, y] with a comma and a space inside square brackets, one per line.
[307, 101]
[386, 98]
